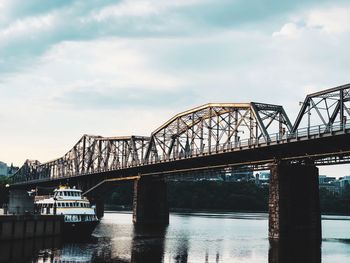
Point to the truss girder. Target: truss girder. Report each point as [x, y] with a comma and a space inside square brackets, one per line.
[91, 154]
[203, 130]
[212, 126]
[325, 108]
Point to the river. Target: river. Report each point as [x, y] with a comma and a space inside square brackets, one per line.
[190, 237]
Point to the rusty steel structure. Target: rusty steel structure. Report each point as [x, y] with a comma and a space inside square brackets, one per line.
[91, 154]
[327, 108]
[213, 127]
[246, 134]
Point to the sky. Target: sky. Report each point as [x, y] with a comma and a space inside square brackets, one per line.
[110, 68]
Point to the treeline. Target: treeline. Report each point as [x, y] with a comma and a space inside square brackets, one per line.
[203, 195]
[4, 180]
[335, 203]
[213, 195]
[228, 196]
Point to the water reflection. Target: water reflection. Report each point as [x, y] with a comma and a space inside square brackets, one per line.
[181, 253]
[291, 251]
[148, 244]
[72, 252]
[26, 250]
[189, 238]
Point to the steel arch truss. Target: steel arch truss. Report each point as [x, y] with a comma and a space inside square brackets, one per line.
[91, 154]
[28, 171]
[325, 108]
[213, 127]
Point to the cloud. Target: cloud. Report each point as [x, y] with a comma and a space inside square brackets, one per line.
[333, 20]
[127, 8]
[139, 8]
[27, 26]
[112, 69]
[109, 73]
[89, 98]
[289, 30]
[317, 21]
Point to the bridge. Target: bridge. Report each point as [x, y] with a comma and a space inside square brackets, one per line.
[214, 136]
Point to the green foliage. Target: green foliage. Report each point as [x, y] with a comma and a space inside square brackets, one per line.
[3, 190]
[230, 196]
[335, 203]
[204, 195]
[122, 195]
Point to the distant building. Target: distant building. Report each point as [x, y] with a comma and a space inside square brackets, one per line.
[7, 170]
[329, 183]
[12, 170]
[343, 182]
[3, 169]
[324, 179]
[262, 178]
[243, 175]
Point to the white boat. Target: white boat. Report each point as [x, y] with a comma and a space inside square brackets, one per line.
[79, 216]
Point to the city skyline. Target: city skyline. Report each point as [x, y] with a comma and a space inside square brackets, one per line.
[106, 68]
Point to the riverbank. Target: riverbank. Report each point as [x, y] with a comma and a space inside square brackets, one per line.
[112, 208]
[226, 196]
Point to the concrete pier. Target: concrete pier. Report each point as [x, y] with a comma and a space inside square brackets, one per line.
[150, 204]
[294, 206]
[20, 202]
[100, 208]
[29, 226]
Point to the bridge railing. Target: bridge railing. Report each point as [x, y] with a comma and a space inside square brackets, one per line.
[306, 132]
[301, 133]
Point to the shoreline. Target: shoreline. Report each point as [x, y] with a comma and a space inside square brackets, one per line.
[186, 210]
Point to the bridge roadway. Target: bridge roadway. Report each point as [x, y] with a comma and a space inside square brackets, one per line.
[215, 136]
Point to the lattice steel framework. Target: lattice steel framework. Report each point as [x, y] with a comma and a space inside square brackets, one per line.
[91, 154]
[325, 108]
[213, 127]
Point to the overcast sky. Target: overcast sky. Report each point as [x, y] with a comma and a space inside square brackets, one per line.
[109, 68]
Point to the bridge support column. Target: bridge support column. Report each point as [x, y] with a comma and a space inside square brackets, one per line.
[150, 202]
[100, 208]
[20, 202]
[294, 206]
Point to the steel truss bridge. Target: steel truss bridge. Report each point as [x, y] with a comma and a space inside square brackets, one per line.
[212, 136]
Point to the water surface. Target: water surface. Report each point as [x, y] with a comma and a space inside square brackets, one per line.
[190, 237]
